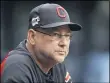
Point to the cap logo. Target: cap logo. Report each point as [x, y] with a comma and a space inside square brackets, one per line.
[61, 12]
[35, 20]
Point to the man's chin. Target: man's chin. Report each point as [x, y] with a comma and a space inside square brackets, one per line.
[59, 60]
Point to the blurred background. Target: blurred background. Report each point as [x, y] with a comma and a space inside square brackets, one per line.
[88, 60]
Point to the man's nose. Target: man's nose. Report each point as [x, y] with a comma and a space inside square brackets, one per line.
[63, 42]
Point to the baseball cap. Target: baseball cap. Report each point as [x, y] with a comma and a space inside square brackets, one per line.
[51, 15]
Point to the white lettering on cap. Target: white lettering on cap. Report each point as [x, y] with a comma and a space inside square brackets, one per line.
[35, 20]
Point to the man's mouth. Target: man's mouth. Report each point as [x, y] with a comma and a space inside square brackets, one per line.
[61, 52]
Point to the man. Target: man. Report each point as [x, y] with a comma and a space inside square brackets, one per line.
[39, 58]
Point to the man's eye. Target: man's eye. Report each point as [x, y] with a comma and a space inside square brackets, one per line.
[55, 34]
[67, 35]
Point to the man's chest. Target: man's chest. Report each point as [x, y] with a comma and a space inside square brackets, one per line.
[56, 76]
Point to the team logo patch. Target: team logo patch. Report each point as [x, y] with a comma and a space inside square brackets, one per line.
[35, 20]
[67, 77]
[61, 12]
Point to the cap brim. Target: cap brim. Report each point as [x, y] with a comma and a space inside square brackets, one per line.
[73, 26]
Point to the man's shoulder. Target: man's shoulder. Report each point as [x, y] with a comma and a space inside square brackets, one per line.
[15, 56]
[17, 68]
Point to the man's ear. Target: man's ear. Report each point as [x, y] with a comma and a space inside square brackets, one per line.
[31, 36]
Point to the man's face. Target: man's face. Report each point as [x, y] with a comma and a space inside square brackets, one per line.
[54, 46]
